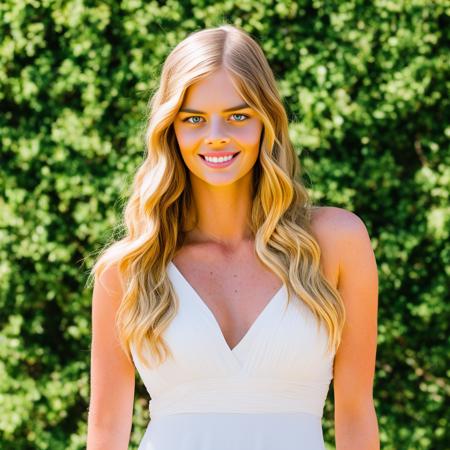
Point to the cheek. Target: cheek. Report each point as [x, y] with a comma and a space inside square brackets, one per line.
[249, 135]
[186, 138]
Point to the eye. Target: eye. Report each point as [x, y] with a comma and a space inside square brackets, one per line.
[192, 117]
[242, 115]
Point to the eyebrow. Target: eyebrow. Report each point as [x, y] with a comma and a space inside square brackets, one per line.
[233, 108]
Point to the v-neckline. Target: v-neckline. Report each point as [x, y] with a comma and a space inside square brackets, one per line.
[215, 322]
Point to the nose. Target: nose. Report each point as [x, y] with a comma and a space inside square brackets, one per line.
[216, 135]
[218, 140]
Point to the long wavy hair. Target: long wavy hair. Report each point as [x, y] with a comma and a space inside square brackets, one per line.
[160, 203]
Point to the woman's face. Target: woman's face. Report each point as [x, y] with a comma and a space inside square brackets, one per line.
[214, 120]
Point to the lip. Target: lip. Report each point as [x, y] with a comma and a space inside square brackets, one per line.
[222, 164]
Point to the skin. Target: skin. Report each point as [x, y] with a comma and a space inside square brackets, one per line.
[222, 197]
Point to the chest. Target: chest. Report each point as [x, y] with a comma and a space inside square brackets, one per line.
[235, 289]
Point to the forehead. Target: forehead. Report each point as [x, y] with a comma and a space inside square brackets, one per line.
[215, 92]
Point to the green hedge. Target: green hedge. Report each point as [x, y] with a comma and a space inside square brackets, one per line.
[366, 88]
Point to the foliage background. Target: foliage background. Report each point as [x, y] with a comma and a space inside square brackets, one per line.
[365, 86]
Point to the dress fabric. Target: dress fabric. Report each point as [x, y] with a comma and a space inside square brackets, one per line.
[267, 393]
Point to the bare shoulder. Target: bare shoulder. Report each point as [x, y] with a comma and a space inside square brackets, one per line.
[337, 226]
[111, 281]
[329, 219]
[336, 229]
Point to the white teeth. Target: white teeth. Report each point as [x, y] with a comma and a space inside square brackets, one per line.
[218, 160]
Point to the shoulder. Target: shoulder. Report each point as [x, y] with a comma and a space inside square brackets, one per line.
[340, 232]
[337, 225]
[332, 218]
[110, 280]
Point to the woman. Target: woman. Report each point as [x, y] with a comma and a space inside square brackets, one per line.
[234, 298]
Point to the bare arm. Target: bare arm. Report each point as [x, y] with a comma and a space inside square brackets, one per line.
[356, 423]
[112, 375]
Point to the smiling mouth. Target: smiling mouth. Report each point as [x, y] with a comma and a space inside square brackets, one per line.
[234, 156]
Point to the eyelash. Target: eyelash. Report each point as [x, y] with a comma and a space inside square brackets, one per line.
[235, 114]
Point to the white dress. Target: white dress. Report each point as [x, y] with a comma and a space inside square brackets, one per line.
[267, 393]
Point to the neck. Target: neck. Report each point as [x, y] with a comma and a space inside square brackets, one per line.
[222, 213]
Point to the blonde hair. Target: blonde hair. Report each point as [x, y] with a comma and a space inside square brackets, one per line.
[161, 198]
